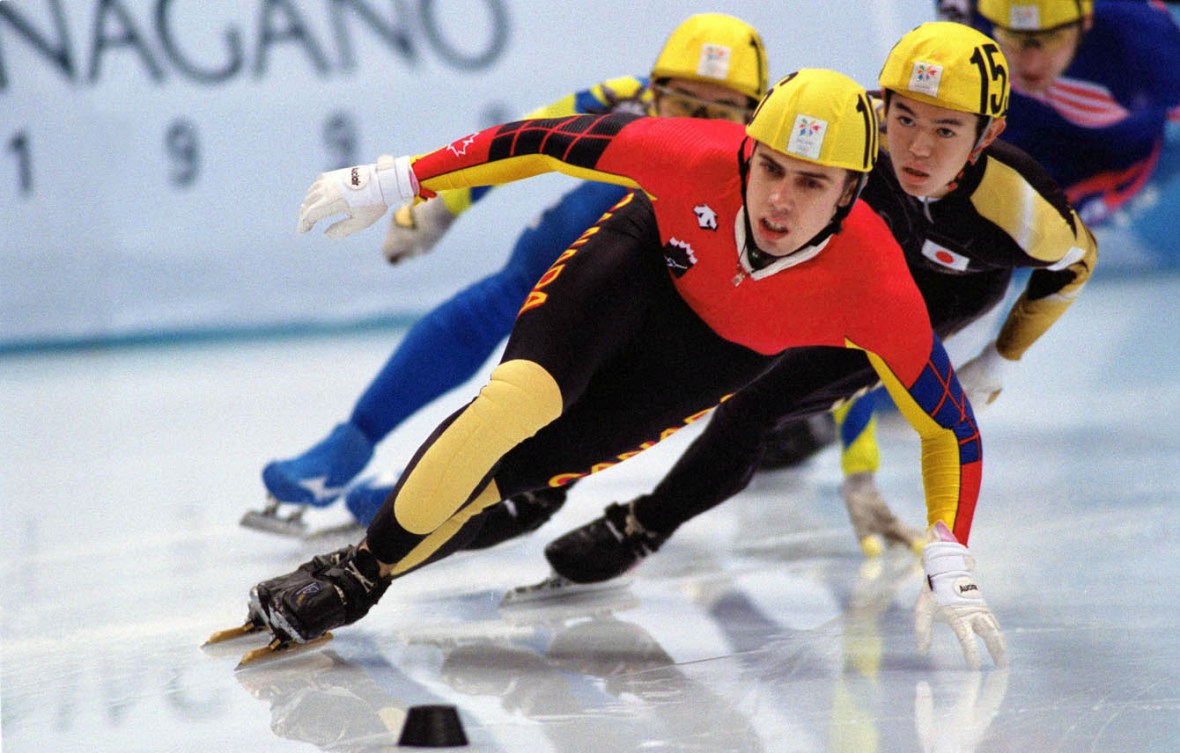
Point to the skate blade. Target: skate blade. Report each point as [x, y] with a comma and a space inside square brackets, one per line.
[556, 587]
[279, 649]
[270, 521]
[222, 636]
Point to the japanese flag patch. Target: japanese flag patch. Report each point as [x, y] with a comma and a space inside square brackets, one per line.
[925, 78]
[944, 256]
[714, 62]
[807, 137]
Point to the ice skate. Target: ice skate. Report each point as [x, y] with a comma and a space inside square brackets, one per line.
[249, 627]
[273, 519]
[316, 478]
[604, 548]
[298, 609]
[556, 587]
[279, 649]
[255, 618]
[255, 621]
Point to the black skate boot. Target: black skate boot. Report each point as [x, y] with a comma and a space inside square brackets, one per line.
[329, 591]
[518, 515]
[313, 567]
[794, 442]
[604, 548]
[256, 619]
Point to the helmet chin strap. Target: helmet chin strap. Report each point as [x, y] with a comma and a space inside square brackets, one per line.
[973, 157]
[980, 142]
[841, 213]
[828, 230]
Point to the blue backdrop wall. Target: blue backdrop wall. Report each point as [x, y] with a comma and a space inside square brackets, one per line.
[155, 152]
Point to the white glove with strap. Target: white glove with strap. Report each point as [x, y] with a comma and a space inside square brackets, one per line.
[983, 376]
[362, 193]
[951, 596]
[414, 230]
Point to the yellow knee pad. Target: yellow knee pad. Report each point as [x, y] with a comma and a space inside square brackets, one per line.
[519, 399]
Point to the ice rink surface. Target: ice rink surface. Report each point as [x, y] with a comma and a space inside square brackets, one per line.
[759, 627]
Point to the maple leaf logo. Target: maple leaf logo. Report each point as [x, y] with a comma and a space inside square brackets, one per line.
[459, 148]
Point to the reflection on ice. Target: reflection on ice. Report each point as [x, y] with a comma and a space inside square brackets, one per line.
[760, 627]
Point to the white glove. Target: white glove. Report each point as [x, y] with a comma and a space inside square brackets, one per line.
[414, 230]
[951, 596]
[362, 193]
[983, 376]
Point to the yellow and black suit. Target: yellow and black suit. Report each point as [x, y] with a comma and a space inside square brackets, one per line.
[1005, 213]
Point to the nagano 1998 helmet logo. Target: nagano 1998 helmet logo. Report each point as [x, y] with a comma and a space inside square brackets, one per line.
[807, 137]
[714, 61]
[1027, 17]
[926, 78]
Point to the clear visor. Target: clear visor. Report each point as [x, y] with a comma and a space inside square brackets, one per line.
[675, 103]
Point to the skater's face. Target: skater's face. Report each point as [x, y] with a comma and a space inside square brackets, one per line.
[929, 145]
[1038, 58]
[789, 200]
[685, 98]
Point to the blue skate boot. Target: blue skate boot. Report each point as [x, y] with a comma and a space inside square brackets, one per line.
[316, 478]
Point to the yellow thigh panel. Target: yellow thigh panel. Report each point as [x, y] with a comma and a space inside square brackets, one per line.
[519, 399]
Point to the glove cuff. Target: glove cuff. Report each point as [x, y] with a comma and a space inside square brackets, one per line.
[943, 557]
[398, 183]
[948, 567]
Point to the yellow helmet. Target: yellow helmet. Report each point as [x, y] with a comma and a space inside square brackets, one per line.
[949, 65]
[1034, 15]
[819, 116]
[718, 49]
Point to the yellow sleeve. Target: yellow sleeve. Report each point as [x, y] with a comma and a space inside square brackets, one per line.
[1035, 214]
[625, 93]
[1046, 297]
[952, 450]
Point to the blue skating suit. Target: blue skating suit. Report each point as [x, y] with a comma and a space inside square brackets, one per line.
[448, 345]
[1108, 130]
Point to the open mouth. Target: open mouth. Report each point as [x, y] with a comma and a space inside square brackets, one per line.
[773, 231]
[915, 173]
